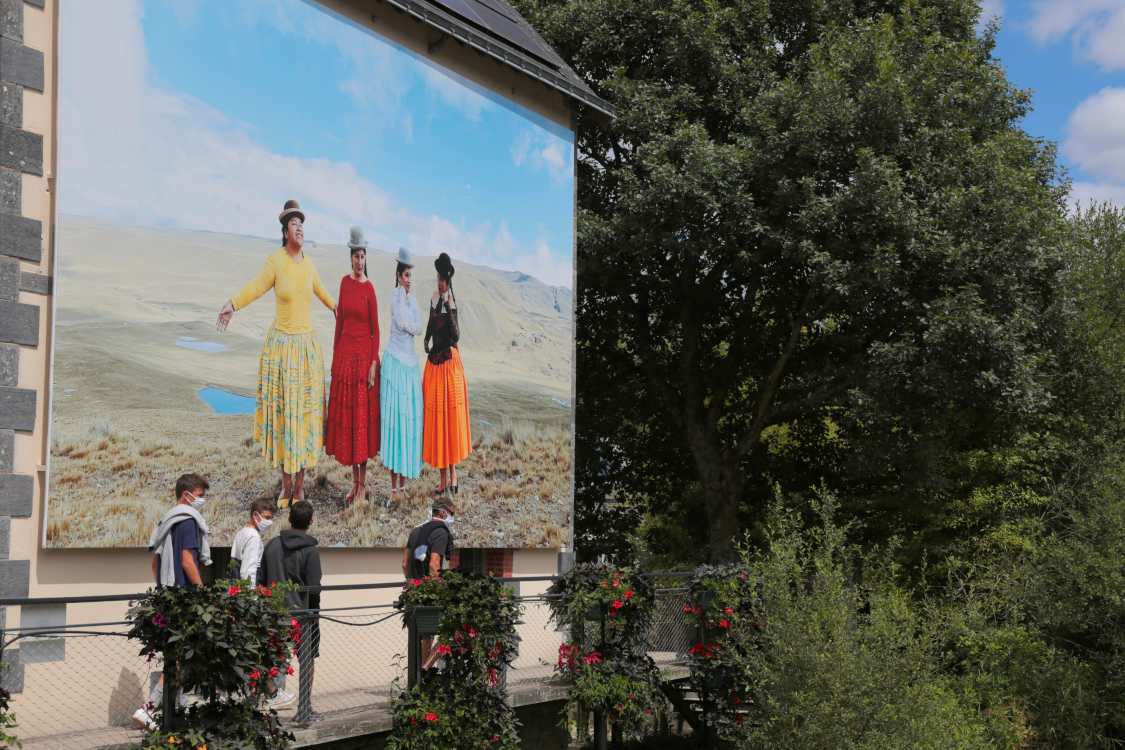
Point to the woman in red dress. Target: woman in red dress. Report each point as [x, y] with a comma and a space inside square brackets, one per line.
[352, 432]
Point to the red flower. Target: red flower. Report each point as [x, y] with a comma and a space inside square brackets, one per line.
[687, 608]
[234, 590]
[416, 582]
[725, 624]
[729, 610]
[443, 649]
[289, 671]
[593, 658]
[264, 591]
[628, 594]
[617, 605]
[430, 716]
[615, 583]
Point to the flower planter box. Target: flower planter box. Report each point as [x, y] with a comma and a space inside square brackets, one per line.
[426, 619]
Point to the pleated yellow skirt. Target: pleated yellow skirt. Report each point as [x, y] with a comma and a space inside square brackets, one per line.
[289, 416]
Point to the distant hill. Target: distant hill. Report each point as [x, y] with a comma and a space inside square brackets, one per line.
[114, 278]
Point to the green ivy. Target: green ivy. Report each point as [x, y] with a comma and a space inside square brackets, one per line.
[229, 642]
[606, 660]
[465, 706]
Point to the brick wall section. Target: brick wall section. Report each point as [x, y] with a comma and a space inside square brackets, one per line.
[21, 244]
[498, 562]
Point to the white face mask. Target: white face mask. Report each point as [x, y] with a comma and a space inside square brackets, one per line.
[264, 523]
[448, 521]
[197, 502]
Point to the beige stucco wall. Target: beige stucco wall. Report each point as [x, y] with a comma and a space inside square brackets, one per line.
[105, 571]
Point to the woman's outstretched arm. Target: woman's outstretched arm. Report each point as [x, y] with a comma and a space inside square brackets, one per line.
[254, 289]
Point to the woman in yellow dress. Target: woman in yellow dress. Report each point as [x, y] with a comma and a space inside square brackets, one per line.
[289, 415]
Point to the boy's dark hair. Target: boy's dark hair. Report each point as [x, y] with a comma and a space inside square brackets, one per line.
[442, 504]
[190, 483]
[262, 504]
[300, 515]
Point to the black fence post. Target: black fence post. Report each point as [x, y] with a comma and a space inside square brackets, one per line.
[168, 718]
[305, 663]
[413, 655]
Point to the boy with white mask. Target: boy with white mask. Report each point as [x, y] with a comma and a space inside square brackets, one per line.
[178, 545]
[246, 552]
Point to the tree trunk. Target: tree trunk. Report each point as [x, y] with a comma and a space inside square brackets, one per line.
[722, 492]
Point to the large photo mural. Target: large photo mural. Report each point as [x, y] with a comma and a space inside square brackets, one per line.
[347, 280]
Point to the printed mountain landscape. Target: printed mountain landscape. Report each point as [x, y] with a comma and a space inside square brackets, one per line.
[146, 389]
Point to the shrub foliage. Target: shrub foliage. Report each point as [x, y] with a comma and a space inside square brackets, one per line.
[465, 707]
[228, 642]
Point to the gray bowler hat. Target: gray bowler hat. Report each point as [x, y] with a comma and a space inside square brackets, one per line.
[357, 238]
[404, 257]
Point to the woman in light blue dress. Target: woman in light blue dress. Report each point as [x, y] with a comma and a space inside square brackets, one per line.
[400, 385]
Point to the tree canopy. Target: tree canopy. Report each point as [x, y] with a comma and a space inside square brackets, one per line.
[815, 226]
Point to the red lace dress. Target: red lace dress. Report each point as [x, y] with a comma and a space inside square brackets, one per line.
[352, 432]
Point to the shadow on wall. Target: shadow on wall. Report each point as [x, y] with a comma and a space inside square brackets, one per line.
[124, 700]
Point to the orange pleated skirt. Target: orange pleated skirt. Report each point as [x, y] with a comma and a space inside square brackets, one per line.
[446, 439]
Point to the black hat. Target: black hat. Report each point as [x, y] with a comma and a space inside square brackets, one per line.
[444, 267]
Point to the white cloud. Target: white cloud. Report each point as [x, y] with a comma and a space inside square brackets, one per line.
[1084, 193]
[1095, 143]
[135, 152]
[1095, 27]
[1095, 139]
[539, 150]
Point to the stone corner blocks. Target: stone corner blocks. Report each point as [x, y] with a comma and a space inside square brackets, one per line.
[21, 64]
[17, 409]
[21, 150]
[17, 494]
[19, 323]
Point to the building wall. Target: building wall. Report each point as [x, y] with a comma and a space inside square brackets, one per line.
[28, 153]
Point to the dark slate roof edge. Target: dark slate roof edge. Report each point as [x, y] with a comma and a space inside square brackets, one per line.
[565, 80]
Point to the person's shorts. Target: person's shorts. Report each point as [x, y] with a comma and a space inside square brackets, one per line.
[309, 647]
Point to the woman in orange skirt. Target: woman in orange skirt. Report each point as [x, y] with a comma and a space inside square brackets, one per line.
[446, 440]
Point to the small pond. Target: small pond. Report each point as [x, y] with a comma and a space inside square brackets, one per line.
[225, 402]
[188, 342]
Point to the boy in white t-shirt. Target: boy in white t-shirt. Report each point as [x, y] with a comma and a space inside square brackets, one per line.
[246, 552]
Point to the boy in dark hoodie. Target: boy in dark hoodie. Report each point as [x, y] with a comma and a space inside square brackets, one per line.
[293, 556]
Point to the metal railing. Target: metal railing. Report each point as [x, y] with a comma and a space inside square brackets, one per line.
[77, 686]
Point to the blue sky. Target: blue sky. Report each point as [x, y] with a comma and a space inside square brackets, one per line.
[225, 110]
[1072, 54]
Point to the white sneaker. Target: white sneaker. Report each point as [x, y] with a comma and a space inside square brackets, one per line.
[283, 698]
[143, 719]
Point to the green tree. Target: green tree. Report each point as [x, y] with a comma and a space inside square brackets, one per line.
[812, 221]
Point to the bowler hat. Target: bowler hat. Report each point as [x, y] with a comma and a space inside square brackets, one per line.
[444, 266]
[357, 240]
[404, 257]
[291, 209]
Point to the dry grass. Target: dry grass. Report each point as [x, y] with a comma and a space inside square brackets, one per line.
[111, 481]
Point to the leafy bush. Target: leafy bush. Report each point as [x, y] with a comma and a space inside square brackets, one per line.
[607, 664]
[837, 665]
[467, 705]
[228, 642]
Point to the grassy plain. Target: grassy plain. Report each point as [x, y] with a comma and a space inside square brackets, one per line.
[127, 420]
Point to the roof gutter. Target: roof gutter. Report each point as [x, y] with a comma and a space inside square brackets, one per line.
[505, 54]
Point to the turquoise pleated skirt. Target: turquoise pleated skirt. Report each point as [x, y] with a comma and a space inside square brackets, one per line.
[401, 417]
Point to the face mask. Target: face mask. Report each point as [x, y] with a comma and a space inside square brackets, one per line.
[264, 523]
[448, 521]
[197, 503]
